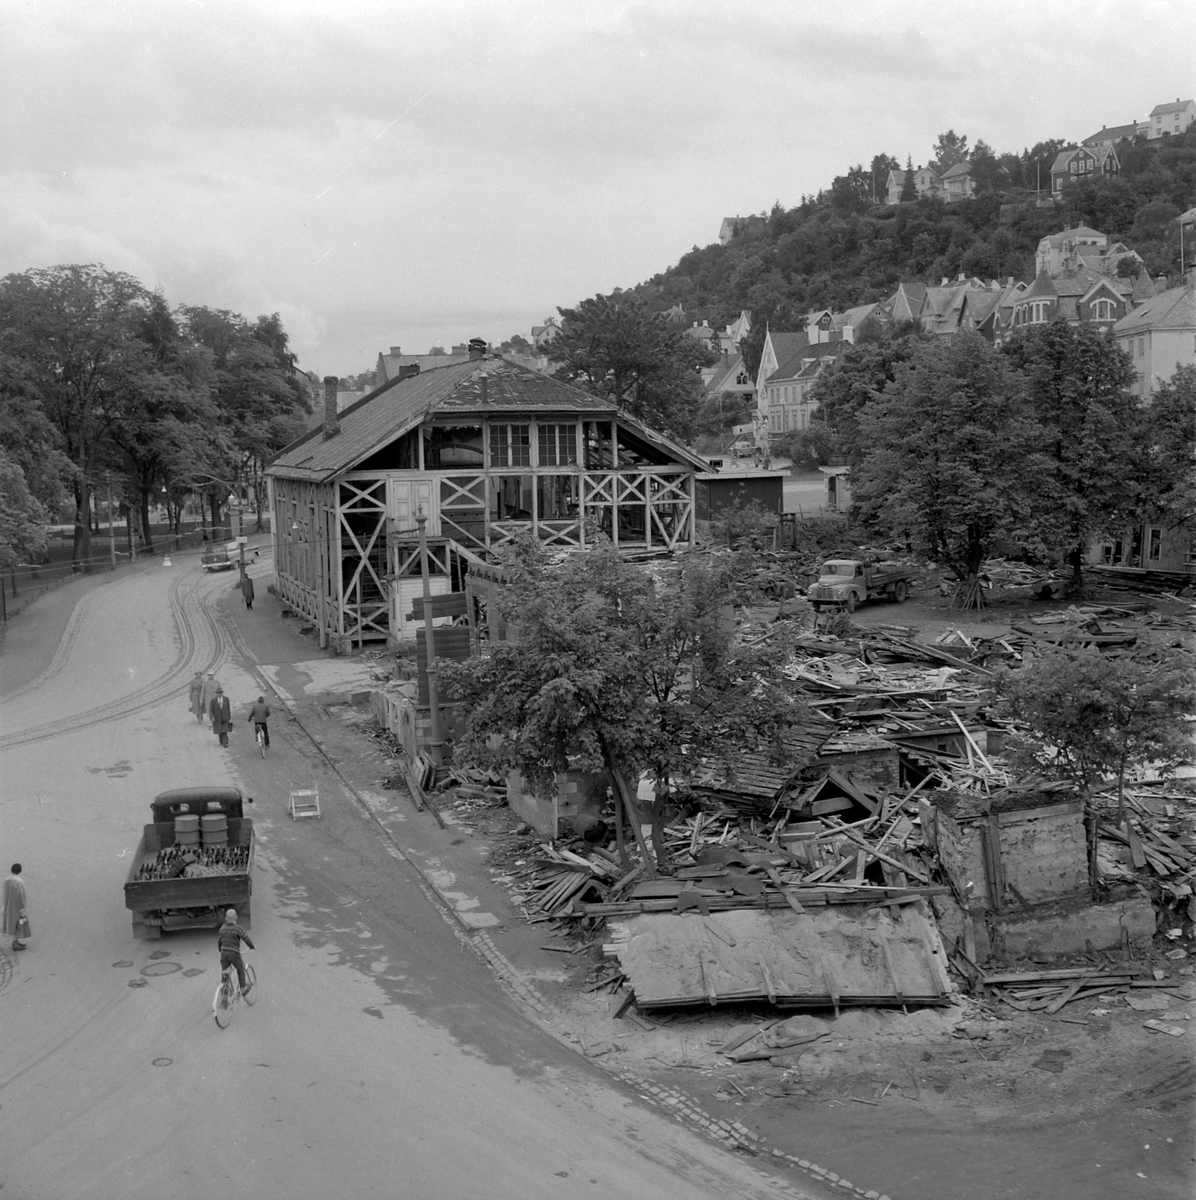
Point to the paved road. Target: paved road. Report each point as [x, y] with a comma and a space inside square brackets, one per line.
[381, 1059]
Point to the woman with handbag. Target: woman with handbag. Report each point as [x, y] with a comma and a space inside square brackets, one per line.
[16, 923]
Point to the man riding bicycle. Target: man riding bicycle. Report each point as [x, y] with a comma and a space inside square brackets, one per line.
[229, 939]
[259, 714]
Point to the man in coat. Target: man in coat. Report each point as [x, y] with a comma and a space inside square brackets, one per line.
[222, 717]
[247, 590]
[259, 714]
[195, 702]
[14, 906]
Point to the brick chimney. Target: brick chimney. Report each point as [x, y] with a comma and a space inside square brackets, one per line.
[332, 425]
[395, 351]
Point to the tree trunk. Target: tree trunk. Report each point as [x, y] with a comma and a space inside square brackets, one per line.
[637, 825]
[81, 549]
[143, 497]
[1091, 831]
[1076, 559]
[214, 509]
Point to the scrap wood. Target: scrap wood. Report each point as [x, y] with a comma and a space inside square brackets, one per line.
[914, 871]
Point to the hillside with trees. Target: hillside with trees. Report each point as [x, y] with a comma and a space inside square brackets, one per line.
[842, 248]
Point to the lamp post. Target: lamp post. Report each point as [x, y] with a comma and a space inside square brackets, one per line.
[111, 530]
[235, 519]
[436, 747]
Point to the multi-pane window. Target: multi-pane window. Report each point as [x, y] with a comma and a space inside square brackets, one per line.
[557, 445]
[510, 446]
[1102, 310]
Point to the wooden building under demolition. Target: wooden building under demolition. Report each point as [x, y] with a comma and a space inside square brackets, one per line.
[484, 449]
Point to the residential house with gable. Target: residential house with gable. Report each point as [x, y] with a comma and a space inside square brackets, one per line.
[394, 364]
[1110, 135]
[957, 182]
[1079, 297]
[542, 335]
[1159, 336]
[927, 182]
[1070, 248]
[729, 377]
[1083, 162]
[483, 450]
[894, 184]
[733, 225]
[1171, 118]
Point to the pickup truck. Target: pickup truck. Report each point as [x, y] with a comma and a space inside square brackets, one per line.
[846, 582]
[185, 876]
[216, 558]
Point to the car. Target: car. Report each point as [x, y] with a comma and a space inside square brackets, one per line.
[216, 558]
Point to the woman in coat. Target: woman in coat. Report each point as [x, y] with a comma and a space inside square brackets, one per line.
[14, 906]
[196, 697]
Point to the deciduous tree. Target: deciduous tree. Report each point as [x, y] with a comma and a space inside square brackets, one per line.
[948, 456]
[615, 347]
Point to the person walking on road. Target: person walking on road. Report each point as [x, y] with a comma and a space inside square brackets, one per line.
[222, 717]
[259, 714]
[196, 696]
[16, 922]
[247, 590]
[209, 690]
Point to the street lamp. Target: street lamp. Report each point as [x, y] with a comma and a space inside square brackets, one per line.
[234, 512]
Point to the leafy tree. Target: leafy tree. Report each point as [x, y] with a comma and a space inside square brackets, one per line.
[986, 170]
[616, 671]
[951, 148]
[1077, 381]
[615, 346]
[22, 517]
[807, 448]
[947, 456]
[852, 193]
[1167, 471]
[909, 189]
[77, 330]
[882, 164]
[28, 436]
[1088, 716]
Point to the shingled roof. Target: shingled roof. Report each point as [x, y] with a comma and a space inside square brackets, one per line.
[401, 404]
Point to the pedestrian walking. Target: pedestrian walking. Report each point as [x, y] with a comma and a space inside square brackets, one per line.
[221, 714]
[209, 690]
[16, 920]
[247, 590]
[196, 703]
[259, 714]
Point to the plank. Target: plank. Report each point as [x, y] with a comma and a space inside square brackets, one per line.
[1136, 855]
[1068, 995]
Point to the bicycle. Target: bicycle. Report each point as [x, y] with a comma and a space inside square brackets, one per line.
[260, 735]
[229, 992]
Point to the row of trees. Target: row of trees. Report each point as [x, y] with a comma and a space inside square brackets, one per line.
[1035, 449]
[101, 379]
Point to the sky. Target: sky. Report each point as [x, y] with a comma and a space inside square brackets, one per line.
[398, 173]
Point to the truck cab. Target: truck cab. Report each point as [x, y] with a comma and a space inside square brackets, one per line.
[216, 558]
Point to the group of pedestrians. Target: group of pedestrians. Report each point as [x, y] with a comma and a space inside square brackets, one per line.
[207, 699]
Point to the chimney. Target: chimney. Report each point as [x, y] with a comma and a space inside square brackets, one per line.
[395, 351]
[332, 425]
[477, 349]
[408, 371]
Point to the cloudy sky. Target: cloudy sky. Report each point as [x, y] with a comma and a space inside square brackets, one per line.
[393, 172]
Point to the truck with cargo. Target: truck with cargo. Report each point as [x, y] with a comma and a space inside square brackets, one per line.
[846, 582]
[194, 861]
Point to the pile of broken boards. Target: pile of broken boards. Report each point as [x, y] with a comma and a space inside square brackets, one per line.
[1051, 991]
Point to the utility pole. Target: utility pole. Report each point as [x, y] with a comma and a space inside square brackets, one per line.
[436, 746]
[111, 529]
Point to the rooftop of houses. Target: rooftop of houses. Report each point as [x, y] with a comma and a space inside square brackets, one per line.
[1174, 308]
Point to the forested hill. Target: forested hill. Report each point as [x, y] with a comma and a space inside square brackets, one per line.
[839, 249]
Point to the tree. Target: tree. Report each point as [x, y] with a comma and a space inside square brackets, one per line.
[616, 671]
[948, 457]
[882, 164]
[1167, 472]
[951, 148]
[986, 170]
[22, 517]
[1088, 716]
[1077, 382]
[615, 347]
[909, 189]
[77, 330]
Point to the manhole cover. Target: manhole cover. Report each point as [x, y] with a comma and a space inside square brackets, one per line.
[163, 1062]
[193, 971]
[160, 954]
[138, 983]
[161, 968]
[124, 962]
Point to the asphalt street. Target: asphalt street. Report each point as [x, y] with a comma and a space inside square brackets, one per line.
[382, 1058]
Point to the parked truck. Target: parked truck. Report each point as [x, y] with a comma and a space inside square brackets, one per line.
[193, 862]
[846, 582]
[217, 558]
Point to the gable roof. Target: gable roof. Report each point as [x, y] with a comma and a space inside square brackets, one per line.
[960, 168]
[1173, 309]
[1112, 133]
[785, 345]
[389, 364]
[401, 404]
[1162, 110]
[806, 361]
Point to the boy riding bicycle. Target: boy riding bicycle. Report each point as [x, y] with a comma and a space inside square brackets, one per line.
[259, 714]
[229, 940]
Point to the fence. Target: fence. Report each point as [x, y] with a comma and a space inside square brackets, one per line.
[23, 583]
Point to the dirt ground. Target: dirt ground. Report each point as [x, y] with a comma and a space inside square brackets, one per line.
[975, 1100]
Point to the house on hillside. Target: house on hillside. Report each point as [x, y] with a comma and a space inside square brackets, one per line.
[1171, 118]
[927, 181]
[1110, 135]
[893, 187]
[906, 303]
[484, 450]
[1079, 297]
[1083, 162]
[786, 402]
[729, 376]
[1160, 335]
[733, 225]
[1082, 246]
[957, 182]
[542, 335]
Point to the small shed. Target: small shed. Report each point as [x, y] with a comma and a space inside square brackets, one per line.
[718, 491]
